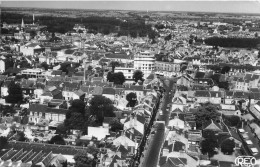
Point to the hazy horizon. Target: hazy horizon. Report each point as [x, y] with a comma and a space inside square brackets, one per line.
[249, 7]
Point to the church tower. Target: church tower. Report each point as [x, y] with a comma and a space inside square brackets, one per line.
[33, 19]
[22, 26]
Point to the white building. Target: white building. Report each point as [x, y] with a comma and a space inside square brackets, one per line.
[2, 65]
[33, 73]
[29, 48]
[145, 62]
[128, 72]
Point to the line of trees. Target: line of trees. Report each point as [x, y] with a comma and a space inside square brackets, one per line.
[233, 42]
[104, 25]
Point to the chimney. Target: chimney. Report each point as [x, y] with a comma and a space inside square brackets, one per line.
[135, 121]
[165, 152]
[132, 149]
[131, 121]
[122, 132]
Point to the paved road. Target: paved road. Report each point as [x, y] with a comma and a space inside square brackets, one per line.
[170, 90]
[154, 146]
[151, 155]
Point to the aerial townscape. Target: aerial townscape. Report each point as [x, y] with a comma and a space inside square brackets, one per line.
[125, 88]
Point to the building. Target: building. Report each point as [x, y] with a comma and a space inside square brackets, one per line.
[128, 72]
[145, 62]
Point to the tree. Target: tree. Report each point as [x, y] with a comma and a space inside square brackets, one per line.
[20, 136]
[132, 99]
[227, 147]
[168, 37]
[138, 75]
[57, 140]
[117, 78]
[8, 110]
[61, 129]
[90, 68]
[44, 65]
[3, 142]
[80, 31]
[77, 117]
[116, 125]
[33, 33]
[206, 113]
[256, 35]
[15, 94]
[114, 64]
[225, 69]
[83, 159]
[208, 146]
[78, 106]
[101, 107]
[190, 41]
[232, 120]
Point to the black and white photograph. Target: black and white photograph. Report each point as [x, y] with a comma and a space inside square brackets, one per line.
[122, 83]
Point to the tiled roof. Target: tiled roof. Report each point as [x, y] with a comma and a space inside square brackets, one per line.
[37, 108]
[117, 56]
[71, 86]
[56, 110]
[56, 72]
[202, 93]
[215, 94]
[110, 91]
[239, 94]
[134, 88]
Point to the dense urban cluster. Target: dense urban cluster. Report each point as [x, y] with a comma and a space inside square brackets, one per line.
[165, 93]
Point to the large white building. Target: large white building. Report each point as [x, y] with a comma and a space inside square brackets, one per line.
[144, 61]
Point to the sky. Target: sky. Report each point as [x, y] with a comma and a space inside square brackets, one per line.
[223, 6]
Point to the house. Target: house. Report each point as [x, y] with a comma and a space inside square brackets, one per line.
[68, 90]
[125, 141]
[27, 87]
[139, 90]
[136, 121]
[229, 109]
[88, 90]
[29, 48]
[179, 158]
[2, 66]
[185, 80]
[179, 102]
[176, 123]
[36, 112]
[4, 88]
[229, 97]
[215, 97]
[109, 93]
[43, 111]
[79, 94]
[202, 96]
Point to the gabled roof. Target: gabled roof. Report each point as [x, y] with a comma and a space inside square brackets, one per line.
[109, 91]
[175, 162]
[37, 108]
[202, 93]
[134, 88]
[213, 126]
[123, 140]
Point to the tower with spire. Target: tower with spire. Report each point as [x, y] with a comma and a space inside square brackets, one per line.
[22, 25]
[33, 19]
